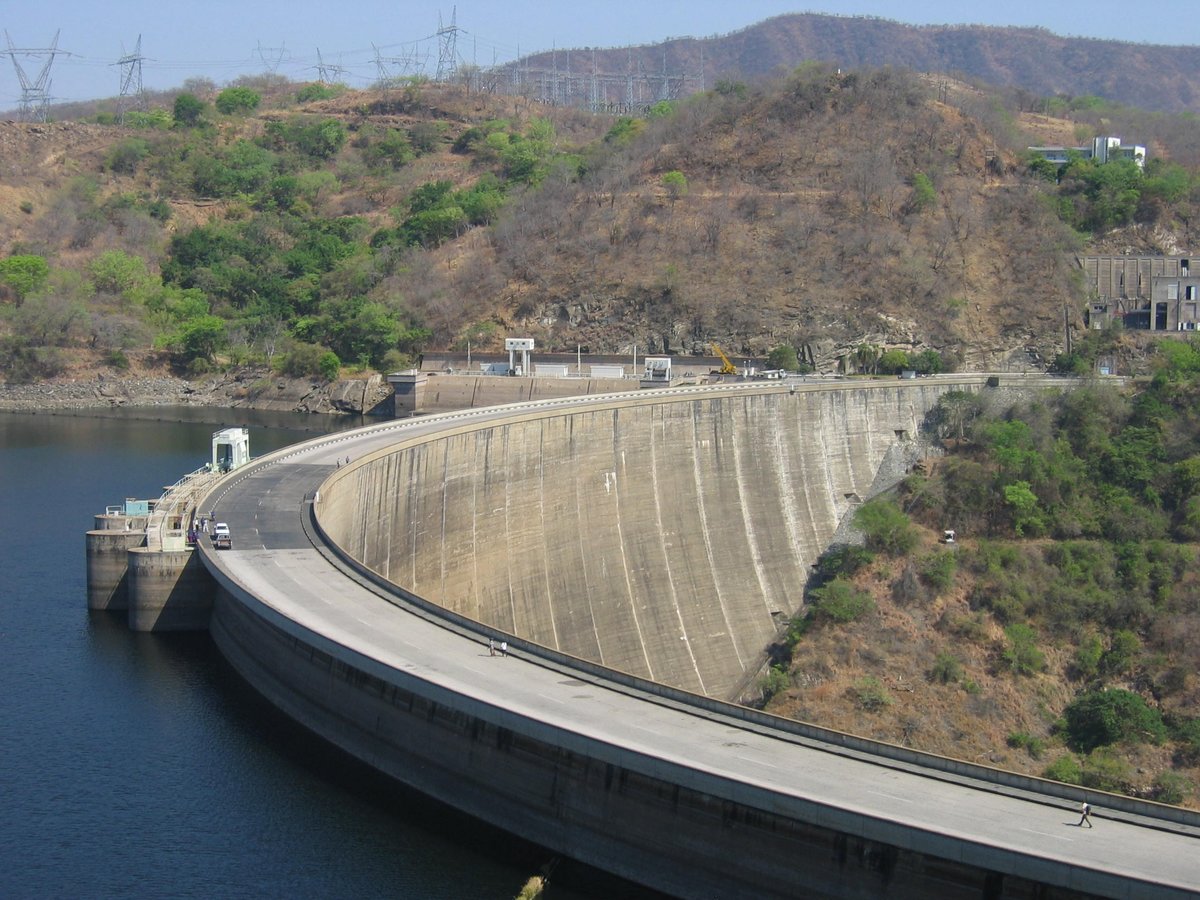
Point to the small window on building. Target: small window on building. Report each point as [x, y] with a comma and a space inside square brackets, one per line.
[1173, 290]
[1189, 292]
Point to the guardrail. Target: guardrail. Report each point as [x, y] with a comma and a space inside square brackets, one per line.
[168, 524]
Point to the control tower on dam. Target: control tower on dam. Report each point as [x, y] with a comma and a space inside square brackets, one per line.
[667, 537]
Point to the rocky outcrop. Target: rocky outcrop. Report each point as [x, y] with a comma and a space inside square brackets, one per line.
[242, 388]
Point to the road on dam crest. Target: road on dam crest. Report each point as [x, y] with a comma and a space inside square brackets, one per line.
[294, 617]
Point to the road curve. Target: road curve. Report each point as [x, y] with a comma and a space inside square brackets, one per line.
[974, 821]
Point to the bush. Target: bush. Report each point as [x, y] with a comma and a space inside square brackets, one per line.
[1099, 718]
[1106, 770]
[329, 365]
[776, 681]
[946, 669]
[1171, 787]
[1065, 769]
[886, 527]
[844, 559]
[1034, 746]
[1022, 655]
[840, 601]
[938, 569]
[237, 100]
[870, 695]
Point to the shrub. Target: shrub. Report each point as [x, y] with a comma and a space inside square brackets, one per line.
[1107, 771]
[1099, 718]
[1034, 746]
[886, 527]
[870, 695]
[329, 365]
[776, 681]
[844, 559]
[946, 669]
[1065, 769]
[237, 100]
[840, 601]
[1171, 787]
[1021, 654]
[938, 569]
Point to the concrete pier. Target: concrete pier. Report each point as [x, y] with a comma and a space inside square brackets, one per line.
[169, 590]
[107, 553]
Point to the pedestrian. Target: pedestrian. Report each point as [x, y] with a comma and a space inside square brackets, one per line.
[1086, 817]
[491, 647]
[504, 648]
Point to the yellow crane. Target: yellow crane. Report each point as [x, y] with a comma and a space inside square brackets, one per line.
[727, 367]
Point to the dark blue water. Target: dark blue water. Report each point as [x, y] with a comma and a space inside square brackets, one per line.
[140, 765]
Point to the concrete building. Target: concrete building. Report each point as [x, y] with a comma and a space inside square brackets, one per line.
[1102, 149]
[1146, 293]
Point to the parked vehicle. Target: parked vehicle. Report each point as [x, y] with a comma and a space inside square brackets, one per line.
[222, 539]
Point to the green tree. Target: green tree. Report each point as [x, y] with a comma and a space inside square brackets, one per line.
[886, 527]
[23, 274]
[201, 337]
[1027, 519]
[236, 100]
[924, 195]
[783, 357]
[676, 185]
[187, 111]
[893, 362]
[116, 272]
[1099, 718]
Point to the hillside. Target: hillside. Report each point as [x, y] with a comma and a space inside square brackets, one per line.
[822, 211]
[1153, 77]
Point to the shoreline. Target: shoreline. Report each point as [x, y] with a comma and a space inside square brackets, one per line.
[243, 388]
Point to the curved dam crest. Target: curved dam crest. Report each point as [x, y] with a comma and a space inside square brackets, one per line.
[665, 537]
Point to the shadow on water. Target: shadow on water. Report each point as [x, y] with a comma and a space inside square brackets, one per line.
[336, 784]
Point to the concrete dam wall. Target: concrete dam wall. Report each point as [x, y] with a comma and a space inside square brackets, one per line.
[668, 537]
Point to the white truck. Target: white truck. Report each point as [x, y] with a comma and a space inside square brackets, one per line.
[221, 538]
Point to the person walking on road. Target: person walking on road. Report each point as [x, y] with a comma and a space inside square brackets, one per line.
[491, 647]
[1086, 816]
[504, 648]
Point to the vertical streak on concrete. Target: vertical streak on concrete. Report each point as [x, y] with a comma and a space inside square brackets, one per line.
[552, 529]
[749, 431]
[619, 475]
[728, 630]
[671, 501]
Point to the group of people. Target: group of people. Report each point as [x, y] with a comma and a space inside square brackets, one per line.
[492, 647]
[200, 526]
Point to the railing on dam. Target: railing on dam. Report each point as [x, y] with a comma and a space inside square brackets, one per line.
[167, 527]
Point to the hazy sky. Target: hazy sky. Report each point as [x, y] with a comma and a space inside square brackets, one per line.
[220, 39]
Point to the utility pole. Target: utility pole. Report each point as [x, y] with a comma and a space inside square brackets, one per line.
[132, 94]
[35, 94]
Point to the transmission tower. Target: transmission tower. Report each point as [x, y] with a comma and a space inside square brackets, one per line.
[271, 62]
[328, 73]
[35, 95]
[132, 94]
[447, 65]
[393, 68]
